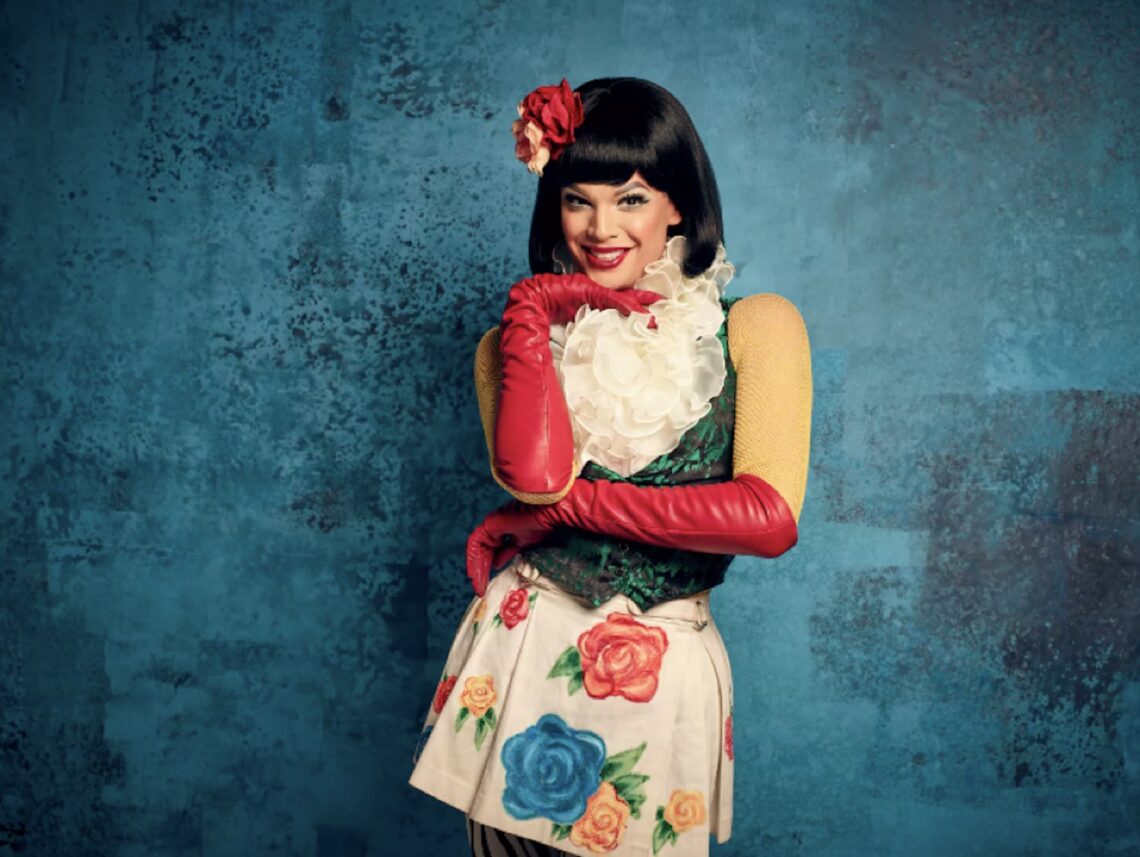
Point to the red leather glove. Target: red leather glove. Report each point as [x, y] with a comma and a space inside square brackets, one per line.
[533, 441]
[500, 537]
[743, 516]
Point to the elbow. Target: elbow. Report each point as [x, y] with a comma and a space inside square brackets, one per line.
[777, 530]
[533, 447]
[524, 491]
[539, 479]
[778, 540]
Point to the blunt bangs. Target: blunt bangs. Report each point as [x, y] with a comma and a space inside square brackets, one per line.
[605, 162]
[632, 125]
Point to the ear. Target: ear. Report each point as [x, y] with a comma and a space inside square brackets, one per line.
[674, 214]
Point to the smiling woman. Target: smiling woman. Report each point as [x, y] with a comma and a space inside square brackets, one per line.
[649, 428]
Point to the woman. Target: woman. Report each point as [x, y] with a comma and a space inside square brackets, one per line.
[649, 429]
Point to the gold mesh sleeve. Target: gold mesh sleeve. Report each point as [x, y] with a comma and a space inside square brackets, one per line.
[488, 378]
[768, 343]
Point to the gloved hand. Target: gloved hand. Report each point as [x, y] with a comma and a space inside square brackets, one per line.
[743, 516]
[499, 538]
[533, 440]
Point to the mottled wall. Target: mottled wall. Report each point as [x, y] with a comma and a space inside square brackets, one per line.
[246, 252]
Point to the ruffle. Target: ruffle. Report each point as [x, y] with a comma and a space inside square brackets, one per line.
[633, 391]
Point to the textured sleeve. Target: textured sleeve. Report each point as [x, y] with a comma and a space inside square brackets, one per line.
[768, 343]
[488, 377]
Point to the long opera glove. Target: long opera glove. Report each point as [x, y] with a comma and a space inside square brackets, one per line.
[745, 515]
[533, 439]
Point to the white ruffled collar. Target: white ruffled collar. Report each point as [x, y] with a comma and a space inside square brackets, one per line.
[633, 391]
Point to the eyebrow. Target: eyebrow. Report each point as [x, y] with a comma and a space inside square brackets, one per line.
[627, 186]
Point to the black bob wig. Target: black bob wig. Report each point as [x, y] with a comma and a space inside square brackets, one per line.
[632, 125]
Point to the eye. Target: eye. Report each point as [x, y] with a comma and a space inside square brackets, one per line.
[634, 199]
[573, 200]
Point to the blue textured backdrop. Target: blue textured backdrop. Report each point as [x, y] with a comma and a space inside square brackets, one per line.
[246, 253]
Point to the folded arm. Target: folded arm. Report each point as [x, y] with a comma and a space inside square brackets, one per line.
[757, 511]
[488, 381]
[529, 434]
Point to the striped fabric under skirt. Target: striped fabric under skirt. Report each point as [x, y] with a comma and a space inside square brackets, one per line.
[489, 842]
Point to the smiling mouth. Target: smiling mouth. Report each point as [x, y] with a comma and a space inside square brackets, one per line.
[606, 257]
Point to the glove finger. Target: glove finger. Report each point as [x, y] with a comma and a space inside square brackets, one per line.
[644, 297]
[637, 300]
[478, 556]
[479, 571]
[600, 297]
[634, 300]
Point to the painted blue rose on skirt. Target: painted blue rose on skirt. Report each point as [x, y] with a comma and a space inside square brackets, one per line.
[551, 770]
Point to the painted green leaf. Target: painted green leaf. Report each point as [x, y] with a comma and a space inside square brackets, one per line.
[628, 788]
[575, 683]
[460, 717]
[533, 597]
[661, 835]
[628, 782]
[568, 663]
[481, 730]
[660, 813]
[561, 831]
[635, 800]
[491, 718]
[623, 762]
[497, 621]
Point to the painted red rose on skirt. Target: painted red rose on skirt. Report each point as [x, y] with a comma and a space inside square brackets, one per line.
[622, 657]
[443, 692]
[514, 607]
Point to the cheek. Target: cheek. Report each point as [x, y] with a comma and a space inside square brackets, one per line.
[654, 232]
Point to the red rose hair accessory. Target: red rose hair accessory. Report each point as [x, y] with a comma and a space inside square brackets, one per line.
[546, 123]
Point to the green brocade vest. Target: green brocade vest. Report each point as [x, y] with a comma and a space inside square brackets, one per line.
[596, 567]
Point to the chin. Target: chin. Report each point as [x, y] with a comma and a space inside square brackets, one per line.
[609, 279]
[611, 283]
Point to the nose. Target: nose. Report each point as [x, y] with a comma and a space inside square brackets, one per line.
[601, 223]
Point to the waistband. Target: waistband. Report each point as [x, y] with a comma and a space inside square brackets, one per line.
[690, 610]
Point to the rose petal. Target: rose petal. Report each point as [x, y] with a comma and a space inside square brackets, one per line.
[539, 160]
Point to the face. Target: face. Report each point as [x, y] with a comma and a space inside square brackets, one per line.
[613, 232]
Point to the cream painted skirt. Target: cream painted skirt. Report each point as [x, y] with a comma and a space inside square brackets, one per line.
[596, 730]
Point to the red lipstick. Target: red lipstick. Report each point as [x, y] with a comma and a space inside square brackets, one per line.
[605, 264]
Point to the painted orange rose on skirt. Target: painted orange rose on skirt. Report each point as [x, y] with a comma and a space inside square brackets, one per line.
[480, 612]
[603, 824]
[478, 694]
[476, 702]
[685, 810]
[622, 657]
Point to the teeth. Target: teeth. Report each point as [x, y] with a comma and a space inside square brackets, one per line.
[606, 257]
